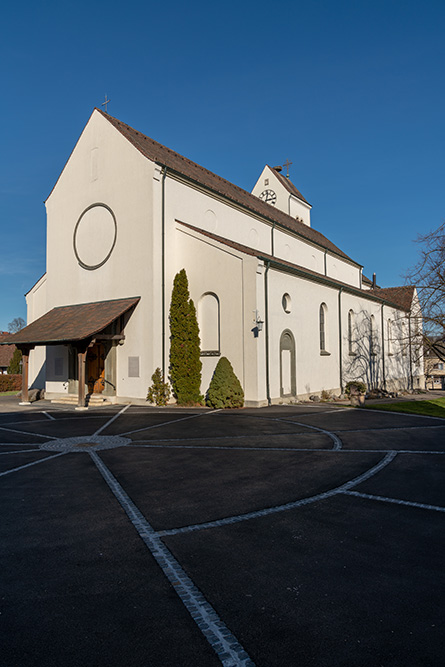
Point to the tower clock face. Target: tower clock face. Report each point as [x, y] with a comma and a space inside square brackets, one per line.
[269, 196]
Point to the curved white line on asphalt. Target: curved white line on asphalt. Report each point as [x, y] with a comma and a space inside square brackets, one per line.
[28, 465]
[335, 439]
[224, 643]
[396, 501]
[283, 508]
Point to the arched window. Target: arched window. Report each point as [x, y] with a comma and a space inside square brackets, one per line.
[288, 382]
[351, 332]
[323, 337]
[208, 320]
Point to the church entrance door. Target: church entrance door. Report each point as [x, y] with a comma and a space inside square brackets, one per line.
[96, 368]
[288, 382]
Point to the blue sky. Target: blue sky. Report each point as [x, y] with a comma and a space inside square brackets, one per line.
[352, 92]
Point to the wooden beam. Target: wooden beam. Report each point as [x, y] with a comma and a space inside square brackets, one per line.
[81, 360]
[25, 376]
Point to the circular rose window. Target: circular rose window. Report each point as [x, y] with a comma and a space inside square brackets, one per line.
[95, 236]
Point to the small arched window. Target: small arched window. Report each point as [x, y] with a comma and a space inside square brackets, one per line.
[351, 332]
[323, 338]
[209, 328]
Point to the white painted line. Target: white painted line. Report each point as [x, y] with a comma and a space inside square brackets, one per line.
[401, 414]
[31, 435]
[218, 523]
[172, 421]
[436, 508]
[28, 465]
[110, 421]
[48, 415]
[223, 642]
[20, 451]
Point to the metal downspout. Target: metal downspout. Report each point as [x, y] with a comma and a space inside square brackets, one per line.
[164, 174]
[383, 348]
[266, 318]
[272, 244]
[410, 353]
[340, 341]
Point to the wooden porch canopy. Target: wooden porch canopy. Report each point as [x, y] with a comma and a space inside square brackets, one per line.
[78, 325]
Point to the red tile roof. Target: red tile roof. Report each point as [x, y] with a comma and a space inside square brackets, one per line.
[402, 296]
[72, 323]
[191, 170]
[6, 351]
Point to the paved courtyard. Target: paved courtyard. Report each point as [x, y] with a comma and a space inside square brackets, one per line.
[305, 535]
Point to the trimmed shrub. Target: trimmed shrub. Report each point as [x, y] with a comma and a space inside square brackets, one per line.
[159, 391]
[185, 362]
[225, 390]
[14, 367]
[355, 387]
[10, 382]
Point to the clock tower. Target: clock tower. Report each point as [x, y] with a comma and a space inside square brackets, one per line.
[277, 190]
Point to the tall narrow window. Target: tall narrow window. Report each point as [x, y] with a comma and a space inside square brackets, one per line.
[209, 327]
[323, 311]
[351, 332]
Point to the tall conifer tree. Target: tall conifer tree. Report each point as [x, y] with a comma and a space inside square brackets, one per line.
[185, 362]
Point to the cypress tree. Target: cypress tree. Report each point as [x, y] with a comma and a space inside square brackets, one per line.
[14, 367]
[185, 362]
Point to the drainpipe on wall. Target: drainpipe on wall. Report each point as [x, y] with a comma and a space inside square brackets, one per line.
[325, 263]
[164, 174]
[410, 353]
[383, 348]
[272, 245]
[340, 341]
[266, 322]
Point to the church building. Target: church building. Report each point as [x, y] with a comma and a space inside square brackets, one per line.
[292, 312]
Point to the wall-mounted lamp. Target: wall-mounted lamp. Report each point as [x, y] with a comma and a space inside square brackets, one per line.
[258, 321]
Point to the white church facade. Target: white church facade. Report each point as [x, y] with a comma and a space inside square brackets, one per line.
[291, 311]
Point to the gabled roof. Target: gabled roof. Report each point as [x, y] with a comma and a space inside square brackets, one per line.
[72, 323]
[403, 296]
[162, 155]
[290, 187]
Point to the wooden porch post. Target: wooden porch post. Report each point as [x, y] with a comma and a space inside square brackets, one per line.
[25, 376]
[81, 360]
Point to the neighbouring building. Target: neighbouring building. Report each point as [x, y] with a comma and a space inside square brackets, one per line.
[6, 353]
[291, 311]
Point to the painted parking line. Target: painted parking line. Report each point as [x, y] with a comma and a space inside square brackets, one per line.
[38, 435]
[28, 465]
[110, 421]
[396, 501]
[257, 514]
[172, 421]
[223, 642]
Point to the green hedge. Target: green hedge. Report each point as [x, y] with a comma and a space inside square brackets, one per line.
[10, 383]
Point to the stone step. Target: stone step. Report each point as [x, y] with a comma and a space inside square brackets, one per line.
[95, 400]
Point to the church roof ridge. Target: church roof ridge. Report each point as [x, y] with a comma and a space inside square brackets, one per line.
[157, 152]
[290, 187]
[389, 297]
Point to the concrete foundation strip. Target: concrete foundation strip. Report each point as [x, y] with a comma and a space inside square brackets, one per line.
[223, 642]
[28, 465]
[383, 499]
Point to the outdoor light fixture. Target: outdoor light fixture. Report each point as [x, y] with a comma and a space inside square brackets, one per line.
[258, 321]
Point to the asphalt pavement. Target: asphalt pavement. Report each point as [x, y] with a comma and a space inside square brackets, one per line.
[293, 535]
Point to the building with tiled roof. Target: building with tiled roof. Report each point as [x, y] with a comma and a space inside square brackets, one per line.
[6, 353]
[292, 311]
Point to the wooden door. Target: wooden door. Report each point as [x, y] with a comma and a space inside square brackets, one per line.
[96, 368]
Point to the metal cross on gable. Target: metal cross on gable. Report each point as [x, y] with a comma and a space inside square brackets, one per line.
[287, 164]
[104, 104]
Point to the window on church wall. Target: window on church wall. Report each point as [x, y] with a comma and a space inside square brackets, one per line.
[209, 324]
[351, 332]
[323, 328]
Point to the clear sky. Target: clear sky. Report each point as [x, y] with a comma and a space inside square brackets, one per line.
[351, 92]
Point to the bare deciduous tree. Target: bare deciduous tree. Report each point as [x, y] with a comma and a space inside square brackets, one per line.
[429, 277]
[16, 324]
